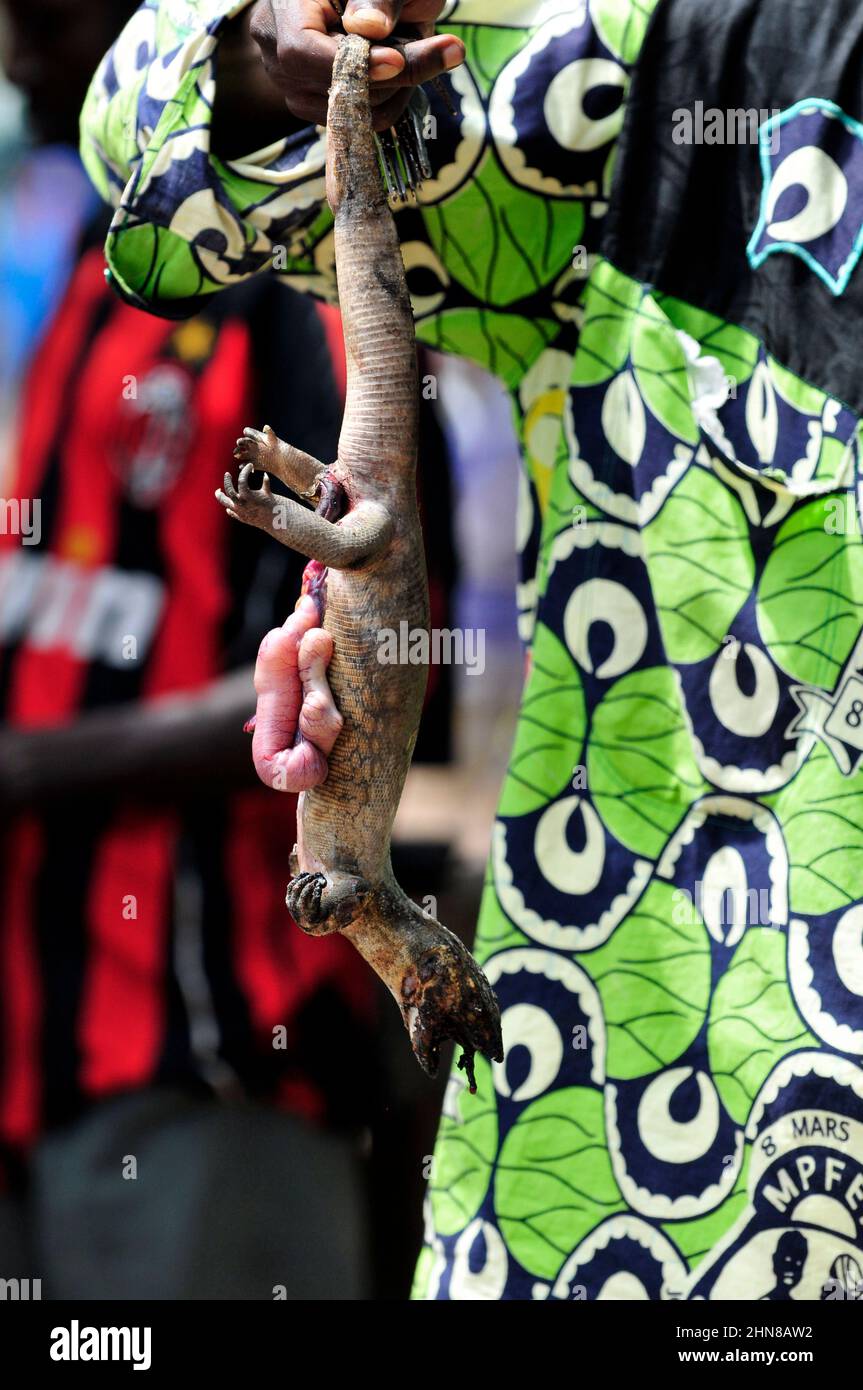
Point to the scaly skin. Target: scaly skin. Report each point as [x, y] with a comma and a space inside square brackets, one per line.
[366, 532]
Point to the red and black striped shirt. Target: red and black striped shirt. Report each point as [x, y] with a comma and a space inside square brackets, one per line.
[150, 943]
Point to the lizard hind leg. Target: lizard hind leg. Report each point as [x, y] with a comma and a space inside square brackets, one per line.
[443, 994]
[322, 903]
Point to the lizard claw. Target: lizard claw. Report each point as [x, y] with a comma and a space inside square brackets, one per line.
[257, 447]
[447, 996]
[318, 906]
[304, 899]
[244, 503]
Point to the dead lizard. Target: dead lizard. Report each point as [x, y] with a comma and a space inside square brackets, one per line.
[367, 574]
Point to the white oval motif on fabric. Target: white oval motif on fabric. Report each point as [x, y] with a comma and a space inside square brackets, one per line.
[747, 716]
[571, 871]
[605, 601]
[673, 1141]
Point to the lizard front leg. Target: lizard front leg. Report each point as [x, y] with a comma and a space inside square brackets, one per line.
[356, 539]
[270, 454]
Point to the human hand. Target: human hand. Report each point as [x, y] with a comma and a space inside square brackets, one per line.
[291, 682]
[297, 43]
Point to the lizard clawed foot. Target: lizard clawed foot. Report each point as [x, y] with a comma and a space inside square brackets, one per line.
[270, 454]
[260, 448]
[446, 996]
[244, 503]
[304, 900]
[319, 906]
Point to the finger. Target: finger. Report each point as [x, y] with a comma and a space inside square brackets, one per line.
[384, 64]
[296, 769]
[300, 53]
[425, 59]
[226, 503]
[243, 481]
[303, 51]
[373, 19]
[229, 488]
[304, 616]
[279, 762]
[276, 665]
[320, 721]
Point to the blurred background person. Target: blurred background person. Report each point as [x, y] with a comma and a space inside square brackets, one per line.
[149, 966]
[45, 196]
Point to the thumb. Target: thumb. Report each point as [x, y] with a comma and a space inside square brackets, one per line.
[371, 19]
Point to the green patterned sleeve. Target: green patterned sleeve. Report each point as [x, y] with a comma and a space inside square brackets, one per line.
[186, 223]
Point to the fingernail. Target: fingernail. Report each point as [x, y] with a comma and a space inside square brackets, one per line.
[453, 56]
[382, 72]
[370, 17]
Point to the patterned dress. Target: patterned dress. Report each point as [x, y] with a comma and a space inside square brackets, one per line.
[645, 218]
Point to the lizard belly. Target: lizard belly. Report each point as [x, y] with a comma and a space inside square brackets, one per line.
[346, 822]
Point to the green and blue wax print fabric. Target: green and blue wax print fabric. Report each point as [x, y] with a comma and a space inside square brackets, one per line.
[673, 913]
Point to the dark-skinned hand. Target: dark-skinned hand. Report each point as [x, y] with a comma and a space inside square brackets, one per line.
[297, 42]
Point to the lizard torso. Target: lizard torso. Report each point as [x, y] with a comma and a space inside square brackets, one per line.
[368, 575]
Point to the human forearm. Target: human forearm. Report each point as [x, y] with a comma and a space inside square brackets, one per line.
[178, 745]
[249, 112]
